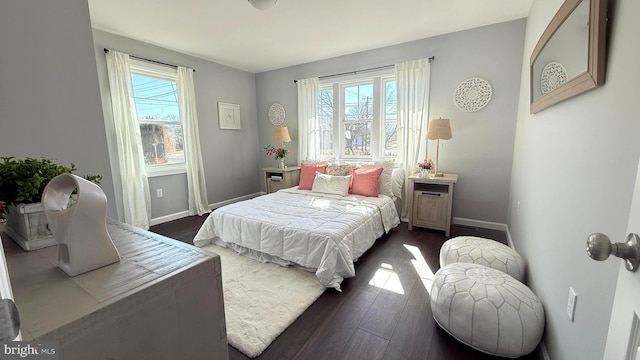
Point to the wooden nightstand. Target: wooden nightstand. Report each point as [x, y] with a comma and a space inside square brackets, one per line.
[431, 200]
[276, 179]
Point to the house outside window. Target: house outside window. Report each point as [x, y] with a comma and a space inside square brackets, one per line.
[358, 118]
[155, 97]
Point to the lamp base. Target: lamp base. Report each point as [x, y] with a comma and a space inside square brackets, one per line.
[436, 175]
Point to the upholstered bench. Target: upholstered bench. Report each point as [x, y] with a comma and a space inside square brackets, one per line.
[487, 309]
[487, 252]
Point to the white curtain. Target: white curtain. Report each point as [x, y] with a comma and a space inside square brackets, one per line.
[198, 200]
[308, 122]
[135, 186]
[413, 110]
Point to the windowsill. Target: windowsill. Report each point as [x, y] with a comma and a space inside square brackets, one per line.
[166, 170]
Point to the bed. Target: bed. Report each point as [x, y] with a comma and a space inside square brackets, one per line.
[319, 232]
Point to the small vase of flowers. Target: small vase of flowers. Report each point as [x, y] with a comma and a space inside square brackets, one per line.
[425, 166]
[278, 153]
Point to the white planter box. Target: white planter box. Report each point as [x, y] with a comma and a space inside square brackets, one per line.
[27, 225]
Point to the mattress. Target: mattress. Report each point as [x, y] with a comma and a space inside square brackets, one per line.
[323, 233]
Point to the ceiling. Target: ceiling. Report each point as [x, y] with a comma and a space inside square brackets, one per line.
[233, 33]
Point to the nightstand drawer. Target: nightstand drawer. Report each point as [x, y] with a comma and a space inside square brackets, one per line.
[276, 179]
[430, 208]
[431, 201]
[274, 184]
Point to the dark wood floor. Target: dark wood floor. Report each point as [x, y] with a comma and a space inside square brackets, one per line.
[364, 321]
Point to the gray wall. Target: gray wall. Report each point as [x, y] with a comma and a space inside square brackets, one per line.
[573, 174]
[230, 156]
[49, 96]
[482, 145]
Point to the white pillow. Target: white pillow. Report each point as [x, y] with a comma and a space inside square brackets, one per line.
[397, 180]
[385, 185]
[330, 184]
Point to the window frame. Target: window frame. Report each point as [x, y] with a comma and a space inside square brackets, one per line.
[378, 80]
[324, 87]
[383, 114]
[161, 72]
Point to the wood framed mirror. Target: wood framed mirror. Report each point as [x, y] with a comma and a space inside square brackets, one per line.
[570, 57]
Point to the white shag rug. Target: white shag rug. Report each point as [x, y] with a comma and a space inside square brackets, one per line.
[261, 299]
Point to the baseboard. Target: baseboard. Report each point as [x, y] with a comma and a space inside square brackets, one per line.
[167, 218]
[544, 353]
[234, 200]
[182, 214]
[486, 225]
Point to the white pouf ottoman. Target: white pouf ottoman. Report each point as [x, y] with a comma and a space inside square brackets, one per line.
[487, 252]
[487, 309]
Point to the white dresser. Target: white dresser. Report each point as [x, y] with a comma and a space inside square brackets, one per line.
[162, 301]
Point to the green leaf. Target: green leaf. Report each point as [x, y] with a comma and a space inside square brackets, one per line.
[25, 180]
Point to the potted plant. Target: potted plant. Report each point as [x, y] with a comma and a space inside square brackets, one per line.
[21, 185]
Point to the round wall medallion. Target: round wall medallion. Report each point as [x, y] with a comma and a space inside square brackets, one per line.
[276, 114]
[553, 75]
[472, 94]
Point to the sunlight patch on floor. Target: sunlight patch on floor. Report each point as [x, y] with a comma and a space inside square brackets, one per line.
[422, 268]
[386, 278]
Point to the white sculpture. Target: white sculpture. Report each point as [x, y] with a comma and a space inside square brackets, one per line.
[79, 226]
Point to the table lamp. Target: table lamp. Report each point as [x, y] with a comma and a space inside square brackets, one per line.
[281, 135]
[438, 129]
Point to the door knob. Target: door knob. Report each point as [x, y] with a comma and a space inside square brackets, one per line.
[599, 247]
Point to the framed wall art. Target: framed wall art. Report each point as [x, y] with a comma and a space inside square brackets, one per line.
[228, 116]
[559, 71]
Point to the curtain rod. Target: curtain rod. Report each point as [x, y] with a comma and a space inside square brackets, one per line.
[432, 58]
[149, 60]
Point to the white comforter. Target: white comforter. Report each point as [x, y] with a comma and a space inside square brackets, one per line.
[323, 232]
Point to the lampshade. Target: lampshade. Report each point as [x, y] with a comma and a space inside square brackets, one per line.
[281, 134]
[439, 129]
[263, 4]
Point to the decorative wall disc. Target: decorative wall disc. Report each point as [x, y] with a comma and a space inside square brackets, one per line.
[553, 75]
[276, 114]
[472, 94]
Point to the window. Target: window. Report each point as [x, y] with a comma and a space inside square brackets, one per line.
[362, 114]
[357, 119]
[325, 115]
[390, 120]
[156, 102]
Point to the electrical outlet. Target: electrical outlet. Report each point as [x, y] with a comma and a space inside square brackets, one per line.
[571, 304]
[159, 193]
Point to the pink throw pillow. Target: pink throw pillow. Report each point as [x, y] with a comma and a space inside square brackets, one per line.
[308, 174]
[365, 182]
